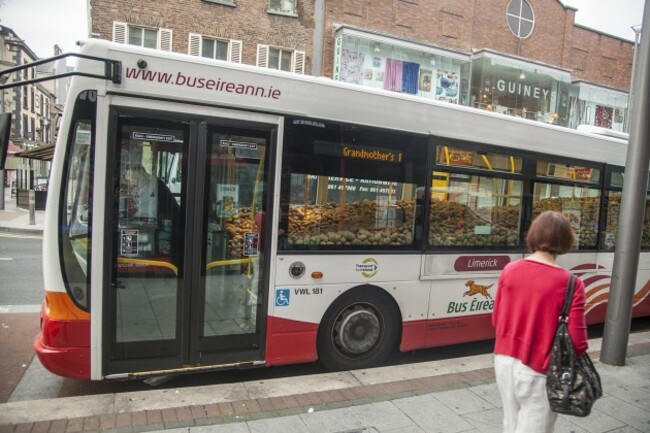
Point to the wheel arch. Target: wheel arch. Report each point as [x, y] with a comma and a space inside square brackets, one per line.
[378, 298]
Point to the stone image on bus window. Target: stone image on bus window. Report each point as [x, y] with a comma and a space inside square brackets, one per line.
[474, 211]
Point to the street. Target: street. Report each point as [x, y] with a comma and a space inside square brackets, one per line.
[21, 267]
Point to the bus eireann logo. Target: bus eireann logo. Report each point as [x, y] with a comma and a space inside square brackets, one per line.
[368, 267]
[477, 289]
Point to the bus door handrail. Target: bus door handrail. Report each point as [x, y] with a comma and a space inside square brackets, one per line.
[160, 263]
[174, 269]
[112, 71]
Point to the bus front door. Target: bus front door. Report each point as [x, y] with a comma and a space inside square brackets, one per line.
[187, 230]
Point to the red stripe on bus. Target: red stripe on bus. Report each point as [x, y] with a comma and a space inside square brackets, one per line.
[587, 266]
[290, 341]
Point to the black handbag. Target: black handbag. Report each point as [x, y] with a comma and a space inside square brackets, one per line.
[572, 384]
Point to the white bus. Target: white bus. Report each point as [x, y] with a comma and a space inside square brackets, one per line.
[205, 215]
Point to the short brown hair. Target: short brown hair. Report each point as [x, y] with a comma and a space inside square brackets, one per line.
[551, 232]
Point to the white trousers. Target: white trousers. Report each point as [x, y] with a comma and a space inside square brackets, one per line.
[523, 392]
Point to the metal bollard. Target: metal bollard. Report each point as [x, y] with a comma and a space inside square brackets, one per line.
[32, 207]
[2, 189]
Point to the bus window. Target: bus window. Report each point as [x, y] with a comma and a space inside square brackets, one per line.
[452, 156]
[347, 187]
[75, 215]
[573, 190]
[614, 186]
[474, 211]
[146, 202]
[579, 203]
[471, 210]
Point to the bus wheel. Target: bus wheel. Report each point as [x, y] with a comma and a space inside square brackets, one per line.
[359, 330]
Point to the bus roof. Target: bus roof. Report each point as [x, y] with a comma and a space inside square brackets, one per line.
[181, 78]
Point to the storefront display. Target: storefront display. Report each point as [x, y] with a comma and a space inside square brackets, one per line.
[598, 106]
[499, 83]
[518, 88]
[400, 66]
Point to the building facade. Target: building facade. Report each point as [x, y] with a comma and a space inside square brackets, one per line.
[276, 34]
[34, 111]
[524, 58]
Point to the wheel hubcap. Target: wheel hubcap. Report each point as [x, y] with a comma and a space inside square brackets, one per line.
[357, 330]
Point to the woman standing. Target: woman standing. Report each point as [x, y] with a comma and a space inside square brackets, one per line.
[526, 309]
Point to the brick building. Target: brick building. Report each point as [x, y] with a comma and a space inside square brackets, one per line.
[276, 34]
[35, 113]
[523, 58]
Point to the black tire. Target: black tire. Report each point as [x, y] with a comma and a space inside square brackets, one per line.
[359, 330]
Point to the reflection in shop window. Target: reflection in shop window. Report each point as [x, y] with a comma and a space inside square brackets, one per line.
[474, 211]
[568, 172]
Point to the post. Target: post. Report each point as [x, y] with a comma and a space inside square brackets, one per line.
[319, 28]
[630, 222]
[630, 99]
[32, 207]
[2, 190]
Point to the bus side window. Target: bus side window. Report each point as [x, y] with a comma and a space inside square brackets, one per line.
[350, 187]
[75, 217]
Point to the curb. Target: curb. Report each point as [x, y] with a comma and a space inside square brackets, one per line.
[228, 412]
[21, 230]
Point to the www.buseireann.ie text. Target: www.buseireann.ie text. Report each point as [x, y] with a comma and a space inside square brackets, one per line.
[218, 85]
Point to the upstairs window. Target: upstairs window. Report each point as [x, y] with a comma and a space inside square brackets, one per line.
[142, 37]
[159, 39]
[283, 59]
[288, 7]
[222, 2]
[521, 18]
[213, 48]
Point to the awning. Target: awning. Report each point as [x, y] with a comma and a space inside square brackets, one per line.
[13, 149]
[12, 162]
[44, 153]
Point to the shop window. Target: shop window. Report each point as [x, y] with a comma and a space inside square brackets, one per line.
[350, 187]
[521, 18]
[382, 65]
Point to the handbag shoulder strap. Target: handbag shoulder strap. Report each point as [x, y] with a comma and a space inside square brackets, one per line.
[564, 315]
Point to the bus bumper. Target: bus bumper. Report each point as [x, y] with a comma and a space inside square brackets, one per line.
[71, 362]
[63, 347]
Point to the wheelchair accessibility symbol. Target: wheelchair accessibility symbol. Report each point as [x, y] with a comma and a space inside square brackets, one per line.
[282, 297]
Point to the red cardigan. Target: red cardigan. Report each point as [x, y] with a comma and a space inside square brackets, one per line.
[526, 309]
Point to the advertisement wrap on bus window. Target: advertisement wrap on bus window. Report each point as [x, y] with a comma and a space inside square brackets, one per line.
[220, 215]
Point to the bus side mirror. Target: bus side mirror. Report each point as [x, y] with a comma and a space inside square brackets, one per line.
[5, 130]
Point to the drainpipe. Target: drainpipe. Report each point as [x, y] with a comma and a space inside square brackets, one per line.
[319, 26]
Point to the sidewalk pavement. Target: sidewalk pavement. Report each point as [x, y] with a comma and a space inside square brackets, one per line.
[447, 396]
[16, 219]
